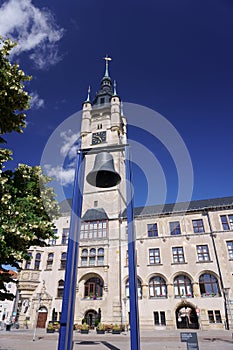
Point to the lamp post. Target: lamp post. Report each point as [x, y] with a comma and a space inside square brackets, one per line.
[36, 319]
[226, 292]
[124, 315]
[103, 175]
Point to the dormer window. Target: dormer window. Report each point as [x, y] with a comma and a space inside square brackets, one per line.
[102, 100]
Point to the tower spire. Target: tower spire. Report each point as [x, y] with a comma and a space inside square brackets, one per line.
[114, 91]
[107, 60]
[88, 94]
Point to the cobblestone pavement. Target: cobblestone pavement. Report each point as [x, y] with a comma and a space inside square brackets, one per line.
[150, 340]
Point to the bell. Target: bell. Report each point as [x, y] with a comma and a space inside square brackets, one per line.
[103, 173]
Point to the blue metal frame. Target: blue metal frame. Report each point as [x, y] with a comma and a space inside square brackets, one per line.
[133, 288]
[68, 302]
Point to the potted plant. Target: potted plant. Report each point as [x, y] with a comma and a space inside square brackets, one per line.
[84, 328]
[116, 329]
[100, 329]
[50, 328]
[56, 326]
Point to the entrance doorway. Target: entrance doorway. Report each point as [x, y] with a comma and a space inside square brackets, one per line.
[91, 316]
[42, 317]
[186, 317]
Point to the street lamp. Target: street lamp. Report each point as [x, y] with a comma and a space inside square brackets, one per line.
[103, 175]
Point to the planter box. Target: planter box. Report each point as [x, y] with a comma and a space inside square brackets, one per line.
[84, 331]
[100, 331]
[50, 330]
[116, 331]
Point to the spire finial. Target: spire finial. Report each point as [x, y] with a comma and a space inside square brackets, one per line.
[122, 113]
[107, 59]
[114, 92]
[88, 94]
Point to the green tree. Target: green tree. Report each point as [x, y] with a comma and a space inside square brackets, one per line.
[13, 98]
[27, 204]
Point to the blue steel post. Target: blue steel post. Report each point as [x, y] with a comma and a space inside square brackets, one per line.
[133, 290]
[68, 302]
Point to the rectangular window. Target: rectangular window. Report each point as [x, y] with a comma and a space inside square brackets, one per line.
[218, 318]
[175, 228]
[198, 226]
[93, 229]
[178, 255]
[100, 260]
[83, 261]
[52, 241]
[230, 249]
[214, 316]
[92, 261]
[154, 256]
[65, 236]
[159, 318]
[203, 253]
[227, 222]
[211, 316]
[152, 230]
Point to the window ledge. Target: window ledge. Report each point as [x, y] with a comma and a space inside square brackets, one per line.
[92, 266]
[179, 263]
[204, 261]
[158, 297]
[159, 264]
[91, 298]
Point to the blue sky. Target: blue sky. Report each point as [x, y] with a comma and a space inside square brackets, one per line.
[174, 57]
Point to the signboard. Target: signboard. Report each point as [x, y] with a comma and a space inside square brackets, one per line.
[191, 339]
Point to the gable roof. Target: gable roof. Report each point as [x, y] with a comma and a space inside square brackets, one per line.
[195, 205]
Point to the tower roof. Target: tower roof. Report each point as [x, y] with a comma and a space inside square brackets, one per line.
[105, 93]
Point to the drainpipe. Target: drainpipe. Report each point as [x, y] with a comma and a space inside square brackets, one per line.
[219, 270]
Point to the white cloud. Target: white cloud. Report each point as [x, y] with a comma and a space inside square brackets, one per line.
[34, 29]
[36, 102]
[64, 176]
[69, 146]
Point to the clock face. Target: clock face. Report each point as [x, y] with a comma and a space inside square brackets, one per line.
[98, 137]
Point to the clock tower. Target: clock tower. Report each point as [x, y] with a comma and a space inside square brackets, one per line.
[101, 254]
[104, 126]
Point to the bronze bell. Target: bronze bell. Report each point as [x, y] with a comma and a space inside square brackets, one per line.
[103, 173]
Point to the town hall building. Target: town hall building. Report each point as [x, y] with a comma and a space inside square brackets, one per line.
[184, 256]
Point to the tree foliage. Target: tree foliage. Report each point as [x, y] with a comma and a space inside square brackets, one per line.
[13, 98]
[27, 207]
[27, 204]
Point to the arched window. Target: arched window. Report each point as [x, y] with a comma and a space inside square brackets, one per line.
[63, 261]
[157, 287]
[100, 257]
[183, 286]
[209, 285]
[93, 288]
[37, 261]
[60, 288]
[84, 256]
[139, 289]
[92, 257]
[49, 261]
[28, 262]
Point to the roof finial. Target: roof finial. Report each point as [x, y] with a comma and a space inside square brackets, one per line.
[107, 59]
[88, 94]
[114, 92]
[122, 113]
